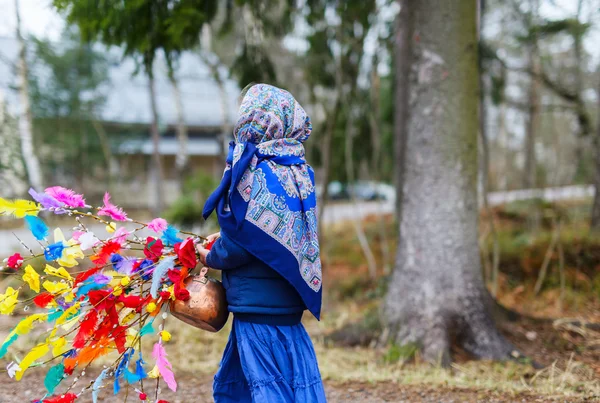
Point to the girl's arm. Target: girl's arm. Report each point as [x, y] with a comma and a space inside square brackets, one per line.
[224, 255]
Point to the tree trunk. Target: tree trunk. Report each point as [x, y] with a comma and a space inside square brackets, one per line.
[436, 296]
[182, 158]
[402, 60]
[356, 218]
[326, 159]
[157, 162]
[595, 222]
[32, 164]
[376, 143]
[530, 174]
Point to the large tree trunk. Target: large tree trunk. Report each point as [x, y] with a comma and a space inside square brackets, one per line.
[182, 158]
[32, 164]
[402, 60]
[595, 222]
[530, 174]
[156, 160]
[436, 295]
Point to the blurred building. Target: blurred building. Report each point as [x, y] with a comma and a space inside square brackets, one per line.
[126, 117]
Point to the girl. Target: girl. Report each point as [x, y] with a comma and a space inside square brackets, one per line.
[268, 251]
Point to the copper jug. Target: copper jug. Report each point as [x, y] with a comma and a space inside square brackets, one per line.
[207, 307]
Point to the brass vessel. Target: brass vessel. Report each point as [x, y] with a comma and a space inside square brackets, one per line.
[207, 307]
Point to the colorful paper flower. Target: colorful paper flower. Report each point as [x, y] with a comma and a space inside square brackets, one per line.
[87, 240]
[153, 248]
[47, 201]
[15, 261]
[169, 236]
[38, 228]
[186, 252]
[8, 301]
[158, 225]
[111, 210]
[32, 278]
[66, 196]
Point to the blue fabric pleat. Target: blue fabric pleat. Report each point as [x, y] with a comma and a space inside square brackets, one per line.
[264, 363]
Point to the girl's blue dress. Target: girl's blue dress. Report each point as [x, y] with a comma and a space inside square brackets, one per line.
[265, 363]
[269, 357]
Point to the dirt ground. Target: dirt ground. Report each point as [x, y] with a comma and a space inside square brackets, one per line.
[198, 390]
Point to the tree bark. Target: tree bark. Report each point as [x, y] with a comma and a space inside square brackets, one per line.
[182, 158]
[595, 221]
[436, 296]
[402, 60]
[32, 164]
[530, 174]
[376, 143]
[356, 218]
[157, 161]
[326, 158]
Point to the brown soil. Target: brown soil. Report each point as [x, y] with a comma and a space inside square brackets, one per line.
[199, 390]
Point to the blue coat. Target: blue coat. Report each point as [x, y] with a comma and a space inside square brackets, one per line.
[255, 292]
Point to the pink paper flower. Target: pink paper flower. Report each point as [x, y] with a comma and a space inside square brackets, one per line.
[66, 196]
[120, 235]
[111, 210]
[158, 225]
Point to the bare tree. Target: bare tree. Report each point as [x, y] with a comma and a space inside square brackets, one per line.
[32, 164]
[595, 222]
[182, 158]
[436, 294]
[158, 171]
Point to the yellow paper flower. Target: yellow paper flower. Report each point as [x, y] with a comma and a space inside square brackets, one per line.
[165, 336]
[32, 278]
[36, 353]
[151, 307]
[110, 228]
[71, 252]
[154, 373]
[54, 287]
[8, 301]
[60, 272]
[26, 325]
[59, 347]
[125, 281]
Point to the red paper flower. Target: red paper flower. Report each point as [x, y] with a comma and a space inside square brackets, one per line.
[153, 249]
[15, 261]
[182, 294]
[42, 300]
[108, 249]
[165, 295]
[210, 244]
[143, 396]
[186, 253]
[68, 398]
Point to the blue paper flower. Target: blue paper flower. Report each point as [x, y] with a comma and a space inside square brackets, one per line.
[54, 251]
[38, 228]
[169, 236]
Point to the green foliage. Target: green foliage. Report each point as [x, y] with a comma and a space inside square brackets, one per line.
[65, 92]
[187, 209]
[253, 65]
[396, 353]
[570, 26]
[142, 28]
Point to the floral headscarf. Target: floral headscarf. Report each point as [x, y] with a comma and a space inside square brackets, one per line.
[266, 201]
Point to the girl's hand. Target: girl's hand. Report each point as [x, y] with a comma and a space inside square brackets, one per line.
[213, 237]
[202, 252]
